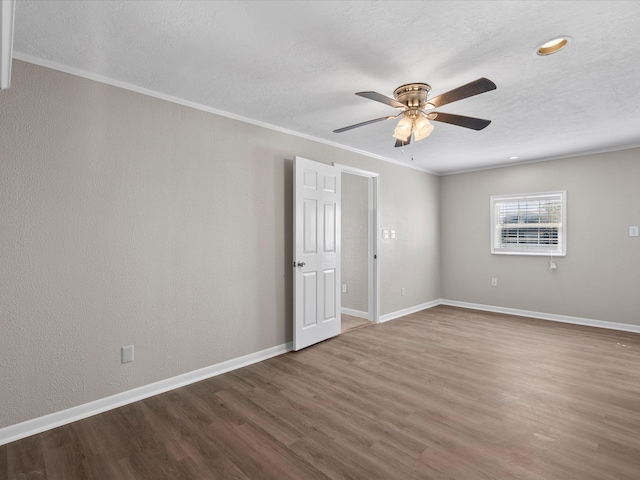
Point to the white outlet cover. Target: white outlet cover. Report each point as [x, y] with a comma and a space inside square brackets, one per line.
[127, 354]
[392, 233]
[633, 231]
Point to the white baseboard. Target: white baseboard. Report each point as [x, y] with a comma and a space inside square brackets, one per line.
[354, 313]
[407, 311]
[57, 419]
[589, 322]
[625, 327]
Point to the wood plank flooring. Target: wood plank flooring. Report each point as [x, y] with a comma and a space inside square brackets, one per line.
[349, 322]
[442, 394]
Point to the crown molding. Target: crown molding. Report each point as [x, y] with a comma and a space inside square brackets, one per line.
[198, 106]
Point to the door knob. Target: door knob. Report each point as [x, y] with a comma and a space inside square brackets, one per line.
[301, 264]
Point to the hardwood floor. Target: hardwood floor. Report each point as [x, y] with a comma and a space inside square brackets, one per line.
[349, 322]
[442, 394]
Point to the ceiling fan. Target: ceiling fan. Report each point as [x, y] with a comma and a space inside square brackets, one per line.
[412, 99]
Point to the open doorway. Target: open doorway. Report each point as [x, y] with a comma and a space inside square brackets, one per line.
[359, 275]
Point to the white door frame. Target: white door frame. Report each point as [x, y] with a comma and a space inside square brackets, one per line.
[373, 182]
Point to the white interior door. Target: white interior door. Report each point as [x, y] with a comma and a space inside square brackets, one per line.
[316, 226]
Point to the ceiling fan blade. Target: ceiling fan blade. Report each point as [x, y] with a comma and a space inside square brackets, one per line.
[476, 87]
[378, 97]
[460, 120]
[400, 143]
[362, 124]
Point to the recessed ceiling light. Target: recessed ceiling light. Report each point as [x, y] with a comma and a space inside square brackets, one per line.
[513, 158]
[553, 46]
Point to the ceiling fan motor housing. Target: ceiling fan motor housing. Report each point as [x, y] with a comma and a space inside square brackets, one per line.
[413, 95]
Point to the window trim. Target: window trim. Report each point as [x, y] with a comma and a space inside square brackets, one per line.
[561, 251]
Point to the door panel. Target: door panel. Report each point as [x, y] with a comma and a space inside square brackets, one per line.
[329, 227]
[310, 221]
[317, 252]
[310, 293]
[329, 294]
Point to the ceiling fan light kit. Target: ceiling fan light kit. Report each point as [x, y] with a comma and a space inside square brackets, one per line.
[412, 99]
[413, 124]
[422, 128]
[403, 129]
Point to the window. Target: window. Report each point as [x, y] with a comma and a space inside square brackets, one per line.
[532, 224]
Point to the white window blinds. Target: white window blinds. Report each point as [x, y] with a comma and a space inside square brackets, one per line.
[532, 224]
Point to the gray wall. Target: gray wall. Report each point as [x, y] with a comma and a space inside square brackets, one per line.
[355, 242]
[125, 219]
[407, 261]
[600, 276]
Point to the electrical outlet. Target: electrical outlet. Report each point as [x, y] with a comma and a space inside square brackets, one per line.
[392, 233]
[633, 231]
[494, 282]
[126, 354]
[344, 288]
[402, 291]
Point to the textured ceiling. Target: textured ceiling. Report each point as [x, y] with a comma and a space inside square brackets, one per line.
[295, 65]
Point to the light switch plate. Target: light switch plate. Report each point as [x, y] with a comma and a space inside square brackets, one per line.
[392, 233]
[385, 233]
